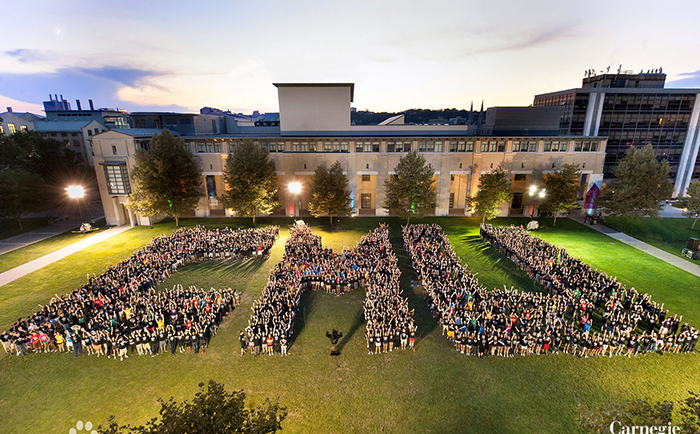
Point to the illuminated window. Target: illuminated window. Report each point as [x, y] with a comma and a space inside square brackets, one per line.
[366, 200]
[11, 128]
[366, 178]
[117, 179]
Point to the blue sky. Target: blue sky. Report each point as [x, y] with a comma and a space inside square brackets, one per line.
[180, 56]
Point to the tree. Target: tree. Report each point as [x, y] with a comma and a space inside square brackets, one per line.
[410, 192]
[640, 185]
[329, 192]
[494, 189]
[166, 179]
[561, 190]
[22, 193]
[251, 179]
[691, 202]
[642, 412]
[212, 411]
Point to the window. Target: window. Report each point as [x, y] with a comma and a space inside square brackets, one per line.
[185, 121]
[89, 132]
[76, 143]
[517, 202]
[117, 179]
[114, 150]
[23, 128]
[366, 146]
[531, 147]
[335, 146]
[452, 200]
[366, 200]
[66, 143]
[519, 177]
[366, 178]
[2, 129]
[303, 147]
[64, 134]
[74, 134]
[516, 147]
[211, 186]
[492, 146]
[594, 146]
[398, 147]
[201, 147]
[577, 147]
[11, 128]
[144, 144]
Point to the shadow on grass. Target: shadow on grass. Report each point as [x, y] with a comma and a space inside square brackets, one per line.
[357, 322]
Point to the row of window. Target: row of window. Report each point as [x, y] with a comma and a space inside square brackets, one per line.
[404, 146]
[12, 128]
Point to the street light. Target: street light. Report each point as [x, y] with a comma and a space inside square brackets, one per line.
[535, 192]
[295, 188]
[76, 192]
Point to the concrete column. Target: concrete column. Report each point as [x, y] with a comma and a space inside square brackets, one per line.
[690, 152]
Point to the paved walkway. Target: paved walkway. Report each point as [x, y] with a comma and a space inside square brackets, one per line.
[29, 267]
[31, 237]
[644, 247]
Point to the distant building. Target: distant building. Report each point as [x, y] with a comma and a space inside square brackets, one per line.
[315, 128]
[60, 110]
[522, 121]
[185, 123]
[17, 122]
[76, 135]
[632, 110]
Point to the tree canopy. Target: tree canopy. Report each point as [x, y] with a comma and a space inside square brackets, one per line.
[251, 179]
[329, 192]
[640, 185]
[410, 192]
[22, 192]
[166, 179]
[212, 411]
[691, 202]
[562, 189]
[55, 165]
[494, 189]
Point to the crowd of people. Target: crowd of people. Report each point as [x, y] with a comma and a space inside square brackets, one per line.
[120, 313]
[507, 322]
[308, 265]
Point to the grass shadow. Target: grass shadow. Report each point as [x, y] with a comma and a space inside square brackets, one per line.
[357, 322]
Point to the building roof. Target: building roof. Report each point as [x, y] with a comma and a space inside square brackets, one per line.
[68, 126]
[142, 132]
[20, 114]
[351, 85]
[630, 90]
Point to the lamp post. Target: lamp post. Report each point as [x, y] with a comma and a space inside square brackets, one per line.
[76, 192]
[295, 189]
[537, 194]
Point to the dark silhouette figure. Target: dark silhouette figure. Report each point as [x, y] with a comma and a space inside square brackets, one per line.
[334, 336]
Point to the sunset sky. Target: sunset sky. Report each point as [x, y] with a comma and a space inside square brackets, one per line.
[181, 56]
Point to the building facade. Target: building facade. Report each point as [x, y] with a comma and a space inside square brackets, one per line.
[633, 110]
[75, 135]
[11, 122]
[315, 129]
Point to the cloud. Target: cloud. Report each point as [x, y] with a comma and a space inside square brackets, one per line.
[688, 80]
[126, 76]
[26, 55]
[523, 40]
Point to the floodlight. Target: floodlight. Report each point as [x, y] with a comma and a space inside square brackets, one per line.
[295, 187]
[75, 191]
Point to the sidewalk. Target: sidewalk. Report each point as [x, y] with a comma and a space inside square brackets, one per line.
[31, 237]
[29, 267]
[644, 247]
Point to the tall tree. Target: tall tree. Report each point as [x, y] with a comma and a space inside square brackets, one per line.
[251, 179]
[213, 410]
[640, 185]
[691, 202]
[561, 190]
[166, 179]
[22, 193]
[329, 192]
[410, 192]
[494, 189]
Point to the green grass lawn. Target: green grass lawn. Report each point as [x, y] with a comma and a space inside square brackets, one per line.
[36, 250]
[431, 390]
[668, 234]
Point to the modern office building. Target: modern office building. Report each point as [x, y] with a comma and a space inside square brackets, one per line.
[315, 128]
[633, 110]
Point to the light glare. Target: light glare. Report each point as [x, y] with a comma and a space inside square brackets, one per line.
[75, 191]
[295, 187]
